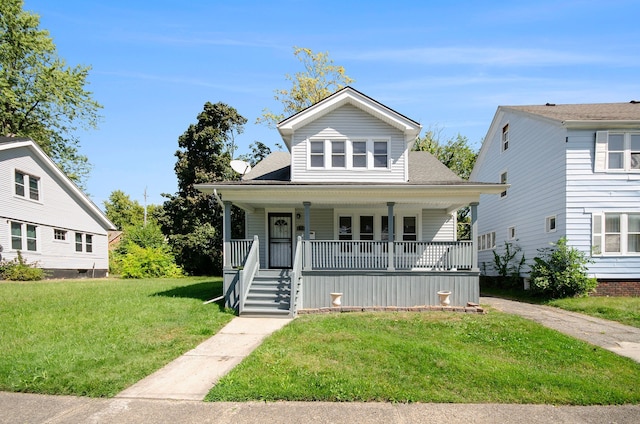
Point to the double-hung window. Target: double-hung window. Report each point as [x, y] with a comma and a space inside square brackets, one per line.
[616, 234]
[27, 186]
[24, 237]
[359, 153]
[505, 137]
[617, 151]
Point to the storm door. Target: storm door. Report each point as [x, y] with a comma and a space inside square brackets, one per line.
[280, 240]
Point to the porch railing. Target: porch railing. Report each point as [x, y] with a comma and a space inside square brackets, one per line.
[296, 277]
[371, 255]
[239, 251]
[405, 255]
[251, 266]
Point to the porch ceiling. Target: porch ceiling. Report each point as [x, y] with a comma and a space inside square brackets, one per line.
[445, 196]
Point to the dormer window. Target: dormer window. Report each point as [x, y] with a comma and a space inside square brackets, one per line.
[349, 154]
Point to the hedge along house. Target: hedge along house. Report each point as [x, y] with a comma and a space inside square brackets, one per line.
[349, 209]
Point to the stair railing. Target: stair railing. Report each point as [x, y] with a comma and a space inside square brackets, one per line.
[246, 274]
[296, 277]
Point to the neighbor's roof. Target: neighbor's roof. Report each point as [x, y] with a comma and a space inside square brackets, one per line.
[7, 143]
[584, 112]
[424, 168]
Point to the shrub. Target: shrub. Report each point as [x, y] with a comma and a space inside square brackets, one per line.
[508, 266]
[148, 262]
[19, 269]
[561, 271]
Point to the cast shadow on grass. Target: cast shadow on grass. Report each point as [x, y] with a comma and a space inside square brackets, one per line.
[203, 291]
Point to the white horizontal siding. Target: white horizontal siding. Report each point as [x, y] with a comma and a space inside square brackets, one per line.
[588, 193]
[438, 225]
[348, 122]
[535, 165]
[57, 207]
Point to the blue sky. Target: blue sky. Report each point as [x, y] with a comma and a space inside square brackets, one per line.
[445, 64]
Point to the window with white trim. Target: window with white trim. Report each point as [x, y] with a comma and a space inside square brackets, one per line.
[360, 153]
[505, 137]
[503, 180]
[550, 224]
[345, 228]
[511, 232]
[366, 227]
[617, 151]
[27, 186]
[616, 234]
[60, 235]
[316, 155]
[24, 236]
[487, 241]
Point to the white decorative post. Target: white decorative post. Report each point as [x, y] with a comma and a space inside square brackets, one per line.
[226, 235]
[474, 236]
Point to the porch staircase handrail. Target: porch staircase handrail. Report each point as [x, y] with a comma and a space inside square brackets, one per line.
[296, 277]
[246, 275]
[239, 251]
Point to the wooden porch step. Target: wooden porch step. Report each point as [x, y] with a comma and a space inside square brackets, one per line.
[266, 312]
[269, 294]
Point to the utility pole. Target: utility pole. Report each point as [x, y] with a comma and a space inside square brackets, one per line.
[145, 207]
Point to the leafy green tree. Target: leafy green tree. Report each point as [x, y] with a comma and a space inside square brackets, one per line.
[319, 80]
[191, 220]
[124, 212]
[41, 97]
[259, 151]
[458, 156]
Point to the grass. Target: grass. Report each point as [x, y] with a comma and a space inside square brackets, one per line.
[97, 337]
[625, 310]
[429, 357]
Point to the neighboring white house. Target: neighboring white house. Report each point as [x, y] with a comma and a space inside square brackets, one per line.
[376, 221]
[574, 172]
[46, 217]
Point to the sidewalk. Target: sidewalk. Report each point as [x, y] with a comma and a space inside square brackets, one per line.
[192, 375]
[618, 338]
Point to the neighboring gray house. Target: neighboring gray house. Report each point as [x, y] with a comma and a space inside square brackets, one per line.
[574, 172]
[46, 217]
[348, 209]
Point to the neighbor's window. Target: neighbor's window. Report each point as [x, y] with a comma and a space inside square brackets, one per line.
[24, 236]
[616, 233]
[317, 154]
[487, 241]
[59, 234]
[78, 242]
[617, 151]
[25, 181]
[505, 137]
[503, 180]
[511, 233]
[88, 243]
[550, 224]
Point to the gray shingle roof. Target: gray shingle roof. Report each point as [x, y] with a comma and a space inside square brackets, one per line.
[584, 112]
[424, 168]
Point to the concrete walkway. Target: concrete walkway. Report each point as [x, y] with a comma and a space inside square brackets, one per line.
[192, 375]
[618, 338]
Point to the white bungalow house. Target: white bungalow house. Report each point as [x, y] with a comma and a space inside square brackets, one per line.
[46, 217]
[574, 172]
[348, 209]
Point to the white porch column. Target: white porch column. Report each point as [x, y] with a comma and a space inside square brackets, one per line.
[392, 236]
[226, 235]
[307, 229]
[474, 236]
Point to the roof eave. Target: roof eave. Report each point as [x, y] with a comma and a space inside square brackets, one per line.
[601, 123]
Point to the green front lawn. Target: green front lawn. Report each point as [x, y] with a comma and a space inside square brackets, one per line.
[625, 310]
[97, 337]
[429, 357]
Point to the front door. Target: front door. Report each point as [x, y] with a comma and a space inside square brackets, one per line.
[280, 240]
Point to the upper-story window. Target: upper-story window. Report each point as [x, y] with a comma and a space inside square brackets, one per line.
[350, 154]
[617, 151]
[27, 186]
[503, 180]
[505, 137]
